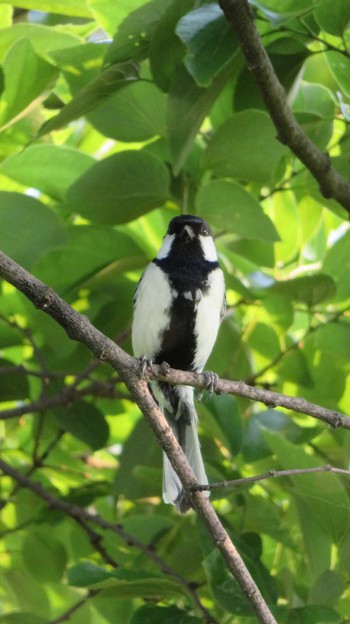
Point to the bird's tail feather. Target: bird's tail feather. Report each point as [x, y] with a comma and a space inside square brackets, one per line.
[185, 430]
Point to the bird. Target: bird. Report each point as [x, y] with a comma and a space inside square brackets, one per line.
[179, 304]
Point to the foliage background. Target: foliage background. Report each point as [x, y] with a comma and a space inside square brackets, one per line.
[114, 117]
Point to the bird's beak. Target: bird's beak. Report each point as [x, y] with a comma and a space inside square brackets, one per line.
[187, 233]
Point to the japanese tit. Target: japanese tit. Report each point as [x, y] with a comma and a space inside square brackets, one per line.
[178, 306]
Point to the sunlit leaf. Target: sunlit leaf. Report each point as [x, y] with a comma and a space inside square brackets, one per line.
[209, 41]
[245, 148]
[49, 168]
[43, 229]
[101, 88]
[120, 188]
[229, 207]
[23, 87]
[44, 556]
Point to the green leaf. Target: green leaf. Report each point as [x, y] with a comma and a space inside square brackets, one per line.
[110, 14]
[337, 264]
[84, 421]
[333, 338]
[209, 41]
[5, 14]
[294, 367]
[314, 99]
[152, 614]
[19, 617]
[225, 589]
[339, 66]
[255, 446]
[316, 495]
[71, 267]
[229, 207]
[80, 64]
[226, 411]
[43, 229]
[122, 583]
[44, 555]
[264, 340]
[166, 50]
[137, 113]
[309, 289]
[245, 147]
[327, 588]
[280, 311]
[260, 253]
[333, 16]
[75, 8]
[140, 449]
[147, 528]
[120, 188]
[27, 78]
[97, 91]
[132, 38]
[49, 168]
[308, 615]
[42, 38]
[188, 105]
[87, 573]
[13, 386]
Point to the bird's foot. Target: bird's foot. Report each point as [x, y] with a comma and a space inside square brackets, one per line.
[146, 364]
[164, 368]
[212, 380]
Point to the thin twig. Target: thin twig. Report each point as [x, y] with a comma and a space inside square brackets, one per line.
[63, 398]
[268, 475]
[67, 614]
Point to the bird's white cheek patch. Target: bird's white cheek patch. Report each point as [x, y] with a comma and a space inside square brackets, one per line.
[208, 317]
[208, 247]
[166, 246]
[151, 313]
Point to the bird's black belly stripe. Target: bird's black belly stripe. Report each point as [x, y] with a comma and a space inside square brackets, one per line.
[178, 344]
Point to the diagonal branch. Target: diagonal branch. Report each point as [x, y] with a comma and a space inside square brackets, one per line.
[331, 183]
[84, 518]
[78, 327]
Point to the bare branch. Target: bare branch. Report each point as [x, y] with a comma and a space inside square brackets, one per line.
[331, 183]
[67, 614]
[79, 328]
[268, 397]
[268, 475]
[83, 517]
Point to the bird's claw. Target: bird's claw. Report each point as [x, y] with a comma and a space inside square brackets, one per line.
[146, 364]
[212, 380]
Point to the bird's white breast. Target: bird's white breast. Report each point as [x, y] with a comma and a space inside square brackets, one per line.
[208, 317]
[152, 311]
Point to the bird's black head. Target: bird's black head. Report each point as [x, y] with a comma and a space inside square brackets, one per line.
[186, 227]
[188, 239]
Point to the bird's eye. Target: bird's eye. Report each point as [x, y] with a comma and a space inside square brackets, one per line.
[204, 230]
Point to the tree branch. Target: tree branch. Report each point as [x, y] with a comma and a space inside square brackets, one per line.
[268, 475]
[240, 388]
[83, 517]
[61, 399]
[331, 183]
[79, 328]
[67, 614]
